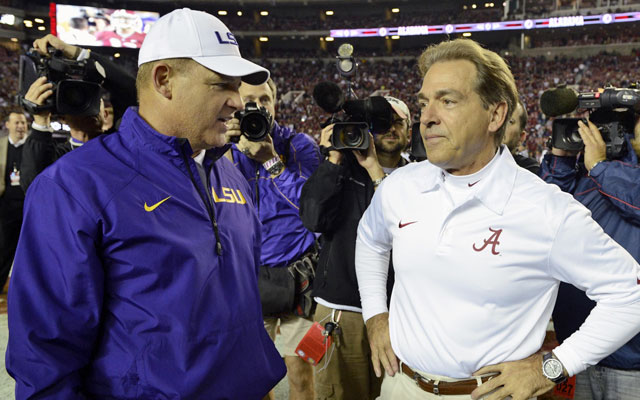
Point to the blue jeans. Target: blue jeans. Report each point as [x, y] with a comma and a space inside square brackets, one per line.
[602, 383]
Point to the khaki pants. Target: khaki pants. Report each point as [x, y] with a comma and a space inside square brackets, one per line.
[349, 373]
[400, 386]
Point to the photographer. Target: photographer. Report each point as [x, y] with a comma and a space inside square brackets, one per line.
[276, 167]
[332, 202]
[609, 189]
[40, 150]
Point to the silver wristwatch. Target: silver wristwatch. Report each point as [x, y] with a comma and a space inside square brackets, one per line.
[274, 166]
[552, 368]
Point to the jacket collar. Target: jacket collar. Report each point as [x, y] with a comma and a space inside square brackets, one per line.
[163, 144]
[494, 192]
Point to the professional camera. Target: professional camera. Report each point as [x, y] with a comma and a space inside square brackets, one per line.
[255, 122]
[76, 84]
[373, 114]
[611, 110]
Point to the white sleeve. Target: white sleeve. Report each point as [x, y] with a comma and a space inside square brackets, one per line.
[373, 247]
[585, 256]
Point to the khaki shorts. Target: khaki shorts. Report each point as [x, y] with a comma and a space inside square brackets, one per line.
[292, 330]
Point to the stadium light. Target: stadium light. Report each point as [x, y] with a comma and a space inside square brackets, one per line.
[395, 37]
[39, 20]
[28, 23]
[14, 39]
[473, 6]
[395, 10]
[328, 12]
[264, 13]
[222, 12]
[8, 19]
[467, 34]
[264, 39]
[329, 39]
[117, 55]
[41, 28]
[239, 13]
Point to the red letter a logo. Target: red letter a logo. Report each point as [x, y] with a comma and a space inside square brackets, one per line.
[493, 241]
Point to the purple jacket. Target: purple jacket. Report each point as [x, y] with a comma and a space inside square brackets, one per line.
[284, 237]
[129, 283]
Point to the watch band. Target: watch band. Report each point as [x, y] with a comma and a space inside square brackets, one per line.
[378, 181]
[274, 166]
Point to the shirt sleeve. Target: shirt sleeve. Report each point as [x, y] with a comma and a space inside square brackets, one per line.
[584, 255]
[304, 158]
[560, 171]
[373, 248]
[620, 183]
[55, 296]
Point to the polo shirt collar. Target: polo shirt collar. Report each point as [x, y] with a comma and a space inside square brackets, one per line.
[497, 190]
[494, 192]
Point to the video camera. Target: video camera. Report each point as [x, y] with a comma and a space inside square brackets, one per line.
[255, 122]
[373, 114]
[611, 110]
[76, 84]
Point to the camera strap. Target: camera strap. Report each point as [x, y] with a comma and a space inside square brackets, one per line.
[31, 107]
[324, 150]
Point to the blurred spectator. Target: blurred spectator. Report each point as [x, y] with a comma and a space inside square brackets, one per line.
[11, 194]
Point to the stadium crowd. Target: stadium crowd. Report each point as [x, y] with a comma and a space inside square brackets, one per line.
[400, 78]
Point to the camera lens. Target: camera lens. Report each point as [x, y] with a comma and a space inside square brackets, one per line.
[351, 136]
[75, 96]
[254, 126]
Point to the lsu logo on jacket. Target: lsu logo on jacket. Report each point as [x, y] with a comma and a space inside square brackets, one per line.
[228, 195]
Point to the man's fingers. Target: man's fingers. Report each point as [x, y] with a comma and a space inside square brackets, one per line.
[39, 91]
[391, 356]
[375, 361]
[489, 369]
[486, 387]
[596, 134]
[501, 394]
[386, 364]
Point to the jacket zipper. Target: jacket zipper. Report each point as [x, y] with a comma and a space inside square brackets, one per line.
[205, 199]
[257, 189]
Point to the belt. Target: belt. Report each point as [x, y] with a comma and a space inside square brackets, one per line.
[442, 388]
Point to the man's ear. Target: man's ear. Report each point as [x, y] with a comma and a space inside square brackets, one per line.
[161, 76]
[498, 116]
[523, 136]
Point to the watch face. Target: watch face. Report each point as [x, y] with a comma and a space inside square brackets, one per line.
[552, 368]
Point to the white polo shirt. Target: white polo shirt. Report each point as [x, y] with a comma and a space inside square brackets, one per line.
[476, 276]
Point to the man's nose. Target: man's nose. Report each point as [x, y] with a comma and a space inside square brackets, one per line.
[235, 101]
[428, 116]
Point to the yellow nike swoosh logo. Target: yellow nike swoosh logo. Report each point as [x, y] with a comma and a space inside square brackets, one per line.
[153, 207]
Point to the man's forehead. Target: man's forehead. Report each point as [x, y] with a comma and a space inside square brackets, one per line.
[450, 75]
[255, 90]
[17, 116]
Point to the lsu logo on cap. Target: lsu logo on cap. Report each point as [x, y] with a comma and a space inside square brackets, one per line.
[230, 38]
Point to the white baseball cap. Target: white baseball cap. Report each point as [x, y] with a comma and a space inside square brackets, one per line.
[186, 33]
[399, 107]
